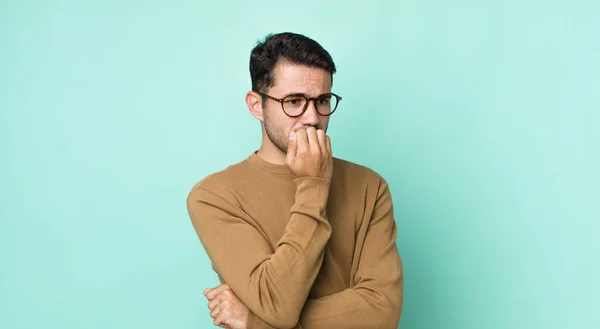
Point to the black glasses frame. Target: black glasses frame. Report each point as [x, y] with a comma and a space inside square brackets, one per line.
[308, 99]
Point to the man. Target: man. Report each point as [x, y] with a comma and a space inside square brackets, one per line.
[298, 238]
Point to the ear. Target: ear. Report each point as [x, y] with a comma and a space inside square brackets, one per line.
[254, 103]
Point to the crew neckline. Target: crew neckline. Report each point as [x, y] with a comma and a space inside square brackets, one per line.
[255, 160]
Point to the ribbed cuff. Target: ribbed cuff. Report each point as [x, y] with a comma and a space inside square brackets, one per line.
[312, 191]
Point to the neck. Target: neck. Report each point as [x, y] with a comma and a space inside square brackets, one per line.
[274, 156]
[271, 153]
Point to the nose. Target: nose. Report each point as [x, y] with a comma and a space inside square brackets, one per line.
[310, 117]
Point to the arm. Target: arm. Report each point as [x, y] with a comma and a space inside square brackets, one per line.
[273, 284]
[376, 299]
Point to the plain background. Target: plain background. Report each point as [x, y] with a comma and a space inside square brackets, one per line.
[482, 116]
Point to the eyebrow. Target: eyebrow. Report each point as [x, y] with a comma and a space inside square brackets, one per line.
[302, 94]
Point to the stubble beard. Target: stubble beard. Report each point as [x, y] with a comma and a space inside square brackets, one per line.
[275, 134]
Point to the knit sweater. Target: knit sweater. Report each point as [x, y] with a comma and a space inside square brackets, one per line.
[302, 252]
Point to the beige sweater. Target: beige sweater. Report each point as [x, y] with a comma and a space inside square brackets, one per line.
[306, 252]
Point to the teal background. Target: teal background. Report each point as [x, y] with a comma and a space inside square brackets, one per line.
[482, 116]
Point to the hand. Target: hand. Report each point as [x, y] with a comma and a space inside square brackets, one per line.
[226, 309]
[309, 153]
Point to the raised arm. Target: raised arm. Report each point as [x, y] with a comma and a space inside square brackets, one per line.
[272, 283]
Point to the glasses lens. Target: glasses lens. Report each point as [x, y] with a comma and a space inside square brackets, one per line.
[294, 104]
[326, 104]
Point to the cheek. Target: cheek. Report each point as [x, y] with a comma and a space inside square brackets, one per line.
[283, 124]
[280, 119]
[323, 122]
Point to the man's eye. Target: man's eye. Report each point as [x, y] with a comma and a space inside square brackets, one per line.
[293, 101]
[323, 101]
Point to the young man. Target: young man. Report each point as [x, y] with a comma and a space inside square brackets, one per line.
[298, 238]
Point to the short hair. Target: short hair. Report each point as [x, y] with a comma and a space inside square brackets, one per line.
[291, 47]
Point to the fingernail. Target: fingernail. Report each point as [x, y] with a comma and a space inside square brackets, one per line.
[293, 135]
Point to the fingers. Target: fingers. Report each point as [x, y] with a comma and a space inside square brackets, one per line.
[220, 303]
[211, 293]
[313, 139]
[322, 140]
[292, 146]
[301, 140]
[310, 154]
[214, 312]
[221, 320]
[213, 303]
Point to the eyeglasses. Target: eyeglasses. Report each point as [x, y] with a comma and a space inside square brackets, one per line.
[296, 104]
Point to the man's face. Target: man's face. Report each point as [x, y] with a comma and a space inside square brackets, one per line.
[294, 79]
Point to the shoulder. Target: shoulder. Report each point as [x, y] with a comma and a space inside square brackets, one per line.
[349, 170]
[357, 181]
[221, 182]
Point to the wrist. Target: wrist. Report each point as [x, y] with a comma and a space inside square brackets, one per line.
[312, 191]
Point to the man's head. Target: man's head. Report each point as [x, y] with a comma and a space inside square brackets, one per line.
[289, 64]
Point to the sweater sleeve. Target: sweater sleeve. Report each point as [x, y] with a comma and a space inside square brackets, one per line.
[273, 284]
[375, 301]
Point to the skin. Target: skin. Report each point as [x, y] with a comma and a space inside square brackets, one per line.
[300, 143]
[226, 309]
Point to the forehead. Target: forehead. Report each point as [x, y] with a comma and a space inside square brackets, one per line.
[288, 77]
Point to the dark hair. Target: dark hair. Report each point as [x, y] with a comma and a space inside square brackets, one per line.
[291, 47]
